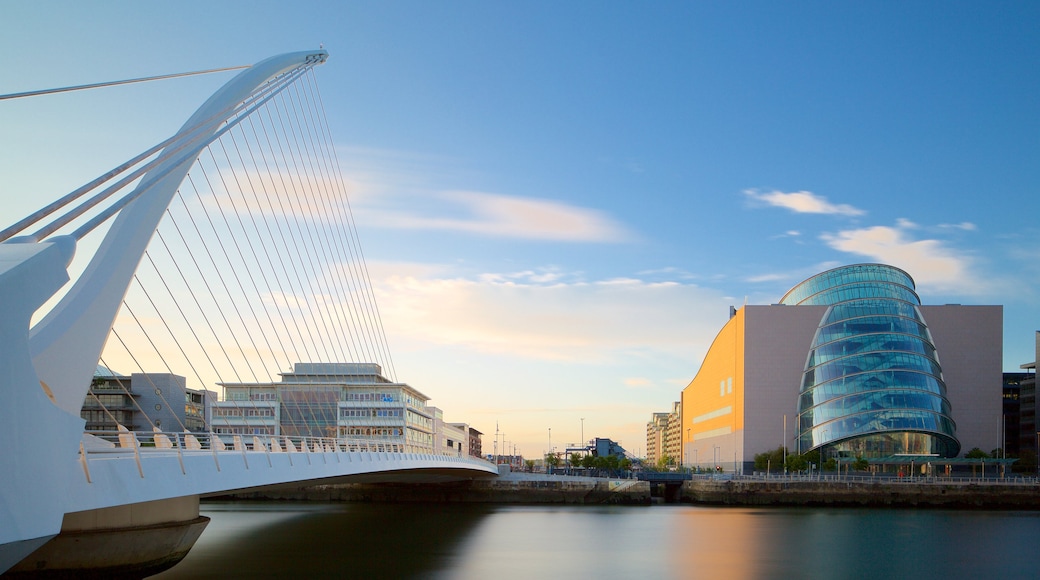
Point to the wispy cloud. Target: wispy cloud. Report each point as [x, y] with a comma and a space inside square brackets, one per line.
[554, 319]
[497, 215]
[802, 202]
[935, 266]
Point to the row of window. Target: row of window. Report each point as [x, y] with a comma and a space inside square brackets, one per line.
[418, 420]
[345, 413]
[869, 343]
[866, 363]
[243, 430]
[874, 401]
[243, 411]
[875, 274]
[843, 386]
[371, 431]
[872, 307]
[861, 291]
[877, 421]
[871, 325]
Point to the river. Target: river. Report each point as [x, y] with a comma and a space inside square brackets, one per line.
[304, 540]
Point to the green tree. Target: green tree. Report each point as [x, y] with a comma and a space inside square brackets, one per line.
[797, 463]
[552, 460]
[529, 465]
[860, 464]
[575, 459]
[613, 461]
[588, 462]
[664, 461]
[771, 460]
[977, 453]
[996, 453]
[625, 464]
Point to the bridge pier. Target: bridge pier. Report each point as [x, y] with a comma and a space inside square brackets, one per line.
[132, 541]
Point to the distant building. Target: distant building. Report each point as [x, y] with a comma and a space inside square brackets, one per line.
[656, 430]
[475, 445]
[143, 401]
[673, 434]
[603, 447]
[848, 364]
[664, 436]
[1012, 435]
[1028, 427]
[449, 438]
[353, 402]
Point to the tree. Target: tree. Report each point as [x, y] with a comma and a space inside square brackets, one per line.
[552, 460]
[977, 453]
[770, 459]
[588, 462]
[625, 464]
[797, 463]
[612, 462]
[861, 464]
[996, 453]
[664, 461]
[574, 459]
[529, 465]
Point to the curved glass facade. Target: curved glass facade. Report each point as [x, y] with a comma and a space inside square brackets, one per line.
[872, 385]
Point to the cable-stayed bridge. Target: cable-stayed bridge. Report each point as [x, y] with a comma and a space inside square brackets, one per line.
[224, 254]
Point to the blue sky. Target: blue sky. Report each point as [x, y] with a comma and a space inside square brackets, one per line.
[559, 203]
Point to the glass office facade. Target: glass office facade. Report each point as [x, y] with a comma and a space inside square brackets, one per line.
[872, 385]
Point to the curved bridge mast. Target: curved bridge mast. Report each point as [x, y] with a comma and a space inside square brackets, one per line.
[45, 373]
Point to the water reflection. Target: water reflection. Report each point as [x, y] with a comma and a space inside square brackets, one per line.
[326, 540]
[475, 541]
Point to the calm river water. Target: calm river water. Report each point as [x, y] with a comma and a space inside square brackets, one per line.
[662, 541]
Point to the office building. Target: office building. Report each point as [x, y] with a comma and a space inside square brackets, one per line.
[849, 363]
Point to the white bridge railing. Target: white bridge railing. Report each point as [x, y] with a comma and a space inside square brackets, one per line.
[143, 446]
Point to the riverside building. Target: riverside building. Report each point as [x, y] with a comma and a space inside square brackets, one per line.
[353, 402]
[143, 401]
[849, 363]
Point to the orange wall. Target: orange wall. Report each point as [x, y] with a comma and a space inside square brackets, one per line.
[713, 402]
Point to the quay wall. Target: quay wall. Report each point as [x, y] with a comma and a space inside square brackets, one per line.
[545, 490]
[944, 494]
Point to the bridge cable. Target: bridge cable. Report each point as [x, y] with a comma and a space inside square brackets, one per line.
[350, 221]
[321, 229]
[39, 92]
[190, 135]
[238, 215]
[322, 194]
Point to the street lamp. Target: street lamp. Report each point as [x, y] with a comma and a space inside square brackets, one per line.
[688, 442]
[583, 433]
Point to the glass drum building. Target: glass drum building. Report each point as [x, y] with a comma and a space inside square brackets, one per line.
[872, 384]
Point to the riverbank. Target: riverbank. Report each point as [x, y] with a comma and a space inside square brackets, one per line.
[509, 488]
[525, 488]
[951, 494]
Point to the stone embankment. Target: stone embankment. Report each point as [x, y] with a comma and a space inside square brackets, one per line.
[518, 488]
[979, 494]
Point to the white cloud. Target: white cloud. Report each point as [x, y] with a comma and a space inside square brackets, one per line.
[966, 226]
[552, 320]
[496, 215]
[767, 278]
[803, 202]
[934, 266]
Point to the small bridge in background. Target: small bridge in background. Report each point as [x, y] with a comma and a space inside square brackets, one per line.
[287, 282]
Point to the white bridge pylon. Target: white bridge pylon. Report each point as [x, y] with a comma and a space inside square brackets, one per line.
[46, 469]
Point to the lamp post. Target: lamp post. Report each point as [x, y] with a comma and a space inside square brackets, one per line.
[583, 433]
[688, 442]
[823, 440]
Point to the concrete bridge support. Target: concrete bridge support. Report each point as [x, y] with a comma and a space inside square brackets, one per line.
[132, 541]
